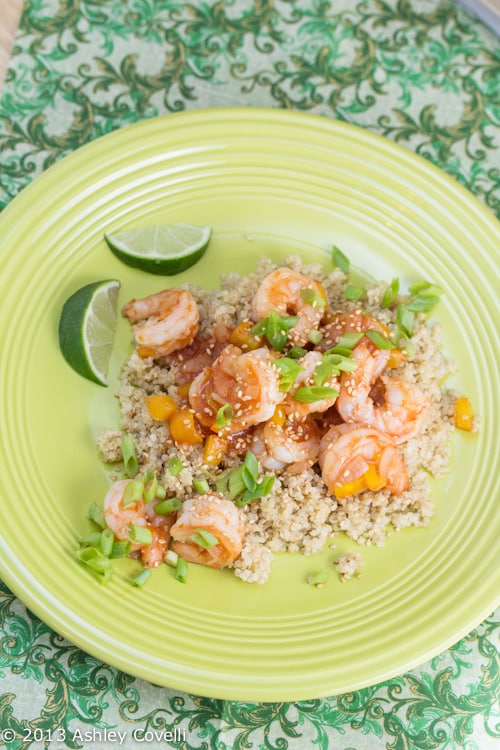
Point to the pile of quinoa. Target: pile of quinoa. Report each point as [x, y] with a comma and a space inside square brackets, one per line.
[298, 515]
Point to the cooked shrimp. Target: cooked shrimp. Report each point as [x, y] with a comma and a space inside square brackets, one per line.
[295, 442]
[164, 322]
[246, 381]
[216, 515]
[346, 453]
[119, 518]
[403, 408]
[309, 362]
[283, 291]
[340, 323]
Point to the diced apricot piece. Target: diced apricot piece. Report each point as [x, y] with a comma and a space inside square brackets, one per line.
[161, 406]
[183, 427]
[241, 336]
[463, 414]
[214, 450]
[350, 488]
[373, 480]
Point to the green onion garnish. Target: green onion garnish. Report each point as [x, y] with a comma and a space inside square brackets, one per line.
[319, 578]
[161, 492]
[340, 260]
[139, 534]
[343, 362]
[348, 341]
[204, 538]
[133, 493]
[275, 329]
[96, 561]
[391, 293]
[296, 352]
[310, 394]
[261, 489]
[96, 514]
[171, 558]
[201, 485]
[106, 542]
[236, 483]
[120, 549]
[288, 369]
[141, 577]
[91, 540]
[380, 341]
[224, 415]
[425, 289]
[181, 570]
[324, 370]
[314, 336]
[129, 456]
[150, 489]
[175, 466]
[243, 482]
[312, 297]
[404, 320]
[353, 292]
[423, 304]
[171, 505]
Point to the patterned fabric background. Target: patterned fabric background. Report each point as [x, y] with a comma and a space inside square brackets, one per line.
[420, 72]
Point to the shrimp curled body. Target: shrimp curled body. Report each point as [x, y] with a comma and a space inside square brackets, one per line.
[246, 381]
[221, 518]
[348, 450]
[164, 322]
[403, 409]
[119, 518]
[283, 291]
[295, 444]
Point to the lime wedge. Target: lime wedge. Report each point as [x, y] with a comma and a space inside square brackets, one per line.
[87, 327]
[164, 249]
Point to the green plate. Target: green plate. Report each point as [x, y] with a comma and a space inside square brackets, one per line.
[269, 182]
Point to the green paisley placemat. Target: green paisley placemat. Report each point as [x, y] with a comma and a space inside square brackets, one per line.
[420, 72]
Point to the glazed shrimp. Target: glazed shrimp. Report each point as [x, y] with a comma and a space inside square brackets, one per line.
[119, 518]
[283, 291]
[403, 408]
[348, 451]
[294, 443]
[340, 323]
[246, 381]
[164, 322]
[309, 362]
[216, 515]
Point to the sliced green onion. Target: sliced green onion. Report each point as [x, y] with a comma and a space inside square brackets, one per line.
[275, 329]
[341, 351]
[139, 534]
[391, 293]
[175, 466]
[404, 320]
[133, 493]
[380, 341]
[348, 340]
[171, 505]
[408, 347]
[150, 490]
[343, 362]
[171, 558]
[340, 260]
[91, 540]
[310, 394]
[141, 577]
[425, 289]
[312, 297]
[251, 464]
[106, 542]
[314, 336]
[296, 352]
[129, 456]
[224, 415]
[96, 514]
[236, 483]
[288, 370]
[261, 489]
[319, 578]
[161, 492]
[148, 476]
[324, 370]
[201, 485]
[353, 292]
[181, 570]
[96, 561]
[120, 549]
[423, 304]
[204, 538]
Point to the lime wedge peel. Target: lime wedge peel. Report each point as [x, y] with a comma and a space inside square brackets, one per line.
[163, 249]
[87, 328]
